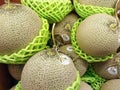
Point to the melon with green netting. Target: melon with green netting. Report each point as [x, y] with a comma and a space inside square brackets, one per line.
[18, 27]
[22, 33]
[98, 35]
[53, 10]
[48, 70]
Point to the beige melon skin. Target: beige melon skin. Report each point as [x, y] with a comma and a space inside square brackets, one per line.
[46, 72]
[113, 84]
[18, 27]
[62, 29]
[13, 88]
[102, 3]
[80, 64]
[96, 37]
[15, 70]
[85, 86]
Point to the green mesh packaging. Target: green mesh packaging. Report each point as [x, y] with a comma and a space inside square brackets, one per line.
[18, 86]
[38, 43]
[74, 86]
[93, 79]
[53, 10]
[87, 10]
[81, 53]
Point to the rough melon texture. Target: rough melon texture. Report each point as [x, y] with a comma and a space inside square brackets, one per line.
[102, 3]
[85, 86]
[96, 37]
[15, 70]
[62, 29]
[18, 27]
[45, 71]
[113, 84]
[80, 64]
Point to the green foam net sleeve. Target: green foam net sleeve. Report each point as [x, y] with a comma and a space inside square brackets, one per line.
[53, 10]
[81, 53]
[74, 86]
[18, 86]
[87, 10]
[39, 43]
[94, 80]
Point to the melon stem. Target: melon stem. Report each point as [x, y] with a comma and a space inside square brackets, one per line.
[55, 46]
[9, 6]
[53, 38]
[8, 3]
[117, 7]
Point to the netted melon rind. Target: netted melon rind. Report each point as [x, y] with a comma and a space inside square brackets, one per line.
[94, 80]
[39, 43]
[86, 10]
[81, 53]
[52, 10]
[74, 86]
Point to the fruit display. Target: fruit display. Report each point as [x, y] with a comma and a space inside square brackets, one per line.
[59, 44]
[54, 74]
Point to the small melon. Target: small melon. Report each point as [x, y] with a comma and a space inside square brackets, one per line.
[85, 86]
[108, 69]
[15, 70]
[62, 29]
[18, 27]
[80, 64]
[113, 84]
[102, 3]
[47, 70]
[98, 35]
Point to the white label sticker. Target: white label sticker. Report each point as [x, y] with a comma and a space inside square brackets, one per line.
[112, 70]
[65, 37]
[69, 48]
[65, 59]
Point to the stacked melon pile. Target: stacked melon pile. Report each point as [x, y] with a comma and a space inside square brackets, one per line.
[61, 44]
